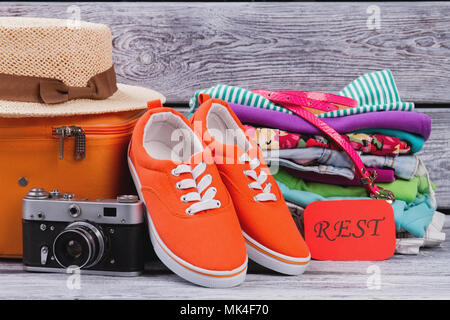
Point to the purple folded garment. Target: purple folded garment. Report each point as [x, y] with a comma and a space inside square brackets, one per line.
[383, 175]
[413, 122]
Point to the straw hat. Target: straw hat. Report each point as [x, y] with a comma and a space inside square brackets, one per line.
[52, 67]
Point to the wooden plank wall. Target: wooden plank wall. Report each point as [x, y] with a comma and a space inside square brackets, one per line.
[177, 48]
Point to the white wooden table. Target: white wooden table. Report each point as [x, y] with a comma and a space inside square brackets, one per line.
[425, 276]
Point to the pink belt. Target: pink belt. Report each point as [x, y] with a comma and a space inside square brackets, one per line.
[317, 102]
[298, 101]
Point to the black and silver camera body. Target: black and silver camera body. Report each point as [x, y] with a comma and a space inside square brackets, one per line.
[104, 237]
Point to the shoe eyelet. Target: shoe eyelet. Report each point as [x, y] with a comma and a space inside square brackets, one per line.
[218, 203]
[178, 186]
[183, 199]
[188, 211]
[175, 173]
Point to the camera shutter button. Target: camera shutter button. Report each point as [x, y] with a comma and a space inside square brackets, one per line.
[127, 199]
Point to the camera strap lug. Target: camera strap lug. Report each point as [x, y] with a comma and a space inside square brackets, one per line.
[44, 255]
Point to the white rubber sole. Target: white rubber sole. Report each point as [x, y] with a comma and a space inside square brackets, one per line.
[189, 272]
[274, 260]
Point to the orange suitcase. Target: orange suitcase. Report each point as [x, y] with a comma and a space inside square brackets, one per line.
[84, 155]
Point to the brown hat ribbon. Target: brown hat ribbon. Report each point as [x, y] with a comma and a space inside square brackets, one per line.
[51, 91]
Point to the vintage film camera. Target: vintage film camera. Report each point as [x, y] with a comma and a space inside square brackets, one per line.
[104, 237]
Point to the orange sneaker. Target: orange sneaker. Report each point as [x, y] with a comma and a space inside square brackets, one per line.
[191, 218]
[272, 238]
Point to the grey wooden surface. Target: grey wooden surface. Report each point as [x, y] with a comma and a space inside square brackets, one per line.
[425, 276]
[180, 47]
[436, 153]
[177, 48]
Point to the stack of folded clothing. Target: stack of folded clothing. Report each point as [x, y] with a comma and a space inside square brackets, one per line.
[369, 114]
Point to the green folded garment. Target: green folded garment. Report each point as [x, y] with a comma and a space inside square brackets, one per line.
[375, 91]
[406, 190]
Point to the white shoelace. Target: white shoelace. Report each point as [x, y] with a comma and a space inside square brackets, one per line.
[204, 202]
[265, 195]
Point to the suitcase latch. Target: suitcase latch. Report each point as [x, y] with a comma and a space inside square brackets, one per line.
[80, 140]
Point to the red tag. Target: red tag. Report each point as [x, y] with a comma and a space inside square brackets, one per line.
[350, 229]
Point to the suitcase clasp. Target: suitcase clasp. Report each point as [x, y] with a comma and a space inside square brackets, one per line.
[80, 140]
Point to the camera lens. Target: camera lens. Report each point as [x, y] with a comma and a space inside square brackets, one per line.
[80, 244]
[74, 249]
